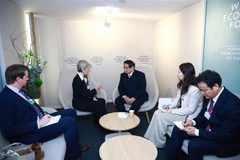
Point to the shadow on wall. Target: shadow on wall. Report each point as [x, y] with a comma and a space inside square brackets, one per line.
[169, 93]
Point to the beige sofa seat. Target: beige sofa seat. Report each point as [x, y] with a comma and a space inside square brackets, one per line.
[54, 149]
[205, 157]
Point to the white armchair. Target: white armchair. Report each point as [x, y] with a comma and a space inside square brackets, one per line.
[65, 92]
[151, 88]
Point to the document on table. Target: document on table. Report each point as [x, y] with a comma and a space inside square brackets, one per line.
[122, 115]
[179, 124]
[53, 120]
[164, 101]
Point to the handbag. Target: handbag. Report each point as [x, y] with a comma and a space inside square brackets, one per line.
[17, 151]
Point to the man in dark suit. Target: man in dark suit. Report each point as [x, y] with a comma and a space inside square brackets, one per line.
[22, 120]
[216, 130]
[132, 88]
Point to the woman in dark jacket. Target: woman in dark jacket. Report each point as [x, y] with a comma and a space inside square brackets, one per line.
[84, 98]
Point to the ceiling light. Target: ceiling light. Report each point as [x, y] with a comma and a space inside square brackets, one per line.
[109, 11]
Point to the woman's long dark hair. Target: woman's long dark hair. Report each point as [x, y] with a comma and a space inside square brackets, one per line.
[188, 71]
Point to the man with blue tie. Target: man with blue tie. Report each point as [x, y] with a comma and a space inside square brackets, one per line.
[216, 130]
[132, 88]
[22, 120]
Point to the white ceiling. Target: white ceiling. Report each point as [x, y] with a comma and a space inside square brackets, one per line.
[143, 10]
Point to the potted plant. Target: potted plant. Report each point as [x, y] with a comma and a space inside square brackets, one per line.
[35, 66]
[28, 58]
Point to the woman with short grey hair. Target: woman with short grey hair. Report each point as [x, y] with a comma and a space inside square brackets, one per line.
[83, 64]
[84, 98]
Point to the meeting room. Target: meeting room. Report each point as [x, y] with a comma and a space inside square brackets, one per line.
[120, 79]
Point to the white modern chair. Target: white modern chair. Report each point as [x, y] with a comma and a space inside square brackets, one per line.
[151, 88]
[65, 92]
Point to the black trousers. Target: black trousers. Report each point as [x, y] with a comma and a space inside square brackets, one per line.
[66, 125]
[197, 146]
[97, 107]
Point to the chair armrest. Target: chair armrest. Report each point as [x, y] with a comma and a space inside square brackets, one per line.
[49, 110]
[115, 94]
[102, 94]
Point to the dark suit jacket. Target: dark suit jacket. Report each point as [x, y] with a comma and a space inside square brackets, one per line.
[81, 95]
[224, 121]
[139, 85]
[17, 116]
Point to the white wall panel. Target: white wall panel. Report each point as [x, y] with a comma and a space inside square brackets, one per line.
[106, 48]
[179, 40]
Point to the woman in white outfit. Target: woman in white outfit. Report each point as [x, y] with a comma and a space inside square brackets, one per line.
[188, 102]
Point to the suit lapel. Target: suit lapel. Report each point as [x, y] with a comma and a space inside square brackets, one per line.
[18, 98]
[82, 81]
[219, 104]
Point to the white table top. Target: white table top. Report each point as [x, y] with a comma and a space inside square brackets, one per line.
[128, 147]
[112, 122]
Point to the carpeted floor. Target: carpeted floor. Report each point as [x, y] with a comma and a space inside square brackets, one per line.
[94, 135]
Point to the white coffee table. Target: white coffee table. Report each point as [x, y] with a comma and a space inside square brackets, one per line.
[112, 122]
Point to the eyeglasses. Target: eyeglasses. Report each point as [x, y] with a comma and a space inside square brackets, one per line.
[125, 67]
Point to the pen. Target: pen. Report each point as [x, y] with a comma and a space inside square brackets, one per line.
[185, 120]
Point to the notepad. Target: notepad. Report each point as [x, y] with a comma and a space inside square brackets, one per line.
[53, 120]
[164, 101]
[179, 124]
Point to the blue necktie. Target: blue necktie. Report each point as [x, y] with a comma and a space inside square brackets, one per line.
[35, 107]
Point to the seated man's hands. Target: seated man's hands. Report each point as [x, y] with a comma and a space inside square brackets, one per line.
[187, 123]
[189, 130]
[44, 120]
[131, 100]
[128, 100]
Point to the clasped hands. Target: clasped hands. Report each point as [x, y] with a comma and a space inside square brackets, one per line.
[166, 109]
[188, 127]
[128, 100]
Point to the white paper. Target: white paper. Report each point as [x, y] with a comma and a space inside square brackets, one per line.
[164, 101]
[53, 119]
[179, 124]
[122, 115]
[162, 109]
